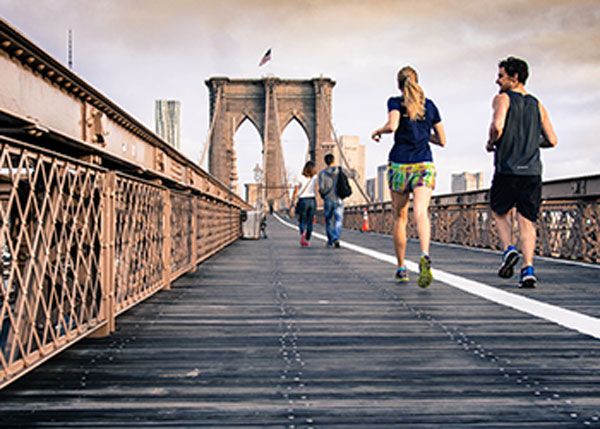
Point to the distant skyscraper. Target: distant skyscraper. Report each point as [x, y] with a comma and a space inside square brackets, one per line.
[167, 117]
[372, 189]
[466, 181]
[383, 191]
[354, 152]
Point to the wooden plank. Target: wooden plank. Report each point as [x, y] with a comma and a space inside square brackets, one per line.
[269, 334]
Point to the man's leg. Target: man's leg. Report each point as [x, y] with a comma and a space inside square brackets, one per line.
[503, 197]
[338, 214]
[510, 257]
[528, 207]
[504, 228]
[328, 207]
[527, 235]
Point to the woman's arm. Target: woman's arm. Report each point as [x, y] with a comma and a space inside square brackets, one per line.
[439, 135]
[390, 126]
[296, 188]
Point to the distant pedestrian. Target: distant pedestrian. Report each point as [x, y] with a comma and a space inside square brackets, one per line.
[415, 122]
[520, 126]
[306, 203]
[333, 205]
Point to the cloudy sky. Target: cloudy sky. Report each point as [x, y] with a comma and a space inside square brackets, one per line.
[136, 51]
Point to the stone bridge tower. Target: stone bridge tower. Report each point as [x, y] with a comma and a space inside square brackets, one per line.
[270, 104]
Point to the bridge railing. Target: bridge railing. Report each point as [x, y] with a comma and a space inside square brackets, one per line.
[81, 244]
[97, 213]
[568, 225]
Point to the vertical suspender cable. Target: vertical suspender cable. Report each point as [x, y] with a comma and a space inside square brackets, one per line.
[339, 146]
[212, 125]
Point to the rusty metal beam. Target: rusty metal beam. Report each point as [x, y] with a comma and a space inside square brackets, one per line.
[45, 103]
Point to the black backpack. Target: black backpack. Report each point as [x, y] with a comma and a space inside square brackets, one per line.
[342, 188]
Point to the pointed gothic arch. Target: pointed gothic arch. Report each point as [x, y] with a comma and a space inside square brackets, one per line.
[270, 104]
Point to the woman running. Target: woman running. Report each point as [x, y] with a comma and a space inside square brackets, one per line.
[415, 122]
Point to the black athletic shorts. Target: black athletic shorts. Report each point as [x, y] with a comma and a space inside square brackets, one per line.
[524, 192]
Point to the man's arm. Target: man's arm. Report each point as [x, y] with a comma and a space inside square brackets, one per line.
[500, 106]
[549, 138]
[320, 182]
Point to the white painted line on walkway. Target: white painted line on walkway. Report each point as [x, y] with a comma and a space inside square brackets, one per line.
[543, 258]
[567, 318]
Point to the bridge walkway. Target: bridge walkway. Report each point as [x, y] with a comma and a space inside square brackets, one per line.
[268, 334]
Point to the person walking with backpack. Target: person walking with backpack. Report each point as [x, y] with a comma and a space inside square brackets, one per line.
[333, 203]
[415, 122]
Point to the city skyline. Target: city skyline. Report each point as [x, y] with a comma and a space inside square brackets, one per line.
[123, 50]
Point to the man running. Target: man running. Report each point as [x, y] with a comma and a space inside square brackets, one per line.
[520, 126]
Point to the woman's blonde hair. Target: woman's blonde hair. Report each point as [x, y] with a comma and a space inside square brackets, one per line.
[309, 169]
[414, 96]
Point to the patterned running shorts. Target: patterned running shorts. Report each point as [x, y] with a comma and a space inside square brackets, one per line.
[404, 178]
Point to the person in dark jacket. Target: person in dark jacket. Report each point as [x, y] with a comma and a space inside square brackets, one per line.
[333, 205]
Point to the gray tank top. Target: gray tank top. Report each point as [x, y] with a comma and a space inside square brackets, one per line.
[518, 149]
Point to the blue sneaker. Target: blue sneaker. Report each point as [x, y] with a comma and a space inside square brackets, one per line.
[509, 260]
[401, 275]
[528, 279]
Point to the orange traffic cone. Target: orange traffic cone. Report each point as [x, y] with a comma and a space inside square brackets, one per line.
[365, 223]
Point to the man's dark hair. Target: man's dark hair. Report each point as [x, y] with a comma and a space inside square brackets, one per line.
[516, 66]
[329, 159]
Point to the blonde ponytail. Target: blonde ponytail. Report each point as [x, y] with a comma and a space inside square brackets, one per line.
[414, 96]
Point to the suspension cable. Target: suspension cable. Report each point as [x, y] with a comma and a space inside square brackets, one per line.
[339, 146]
[212, 125]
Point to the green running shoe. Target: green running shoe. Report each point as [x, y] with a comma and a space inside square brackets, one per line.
[425, 276]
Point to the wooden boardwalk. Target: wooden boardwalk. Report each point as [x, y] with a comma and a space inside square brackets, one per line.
[270, 335]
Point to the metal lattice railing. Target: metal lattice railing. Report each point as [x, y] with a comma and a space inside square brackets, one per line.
[97, 212]
[139, 237]
[50, 241]
[81, 244]
[568, 226]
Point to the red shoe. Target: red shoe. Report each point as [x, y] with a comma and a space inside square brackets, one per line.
[303, 241]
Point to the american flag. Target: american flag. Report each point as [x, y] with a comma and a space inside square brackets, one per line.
[266, 57]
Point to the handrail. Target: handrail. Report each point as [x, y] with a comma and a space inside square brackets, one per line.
[567, 227]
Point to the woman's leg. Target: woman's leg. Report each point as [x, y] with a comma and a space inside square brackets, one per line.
[421, 198]
[301, 208]
[311, 206]
[400, 212]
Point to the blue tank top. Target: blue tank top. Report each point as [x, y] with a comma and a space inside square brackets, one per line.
[411, 139]
[518, 148]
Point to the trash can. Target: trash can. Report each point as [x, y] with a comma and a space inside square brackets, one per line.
[251, 225]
